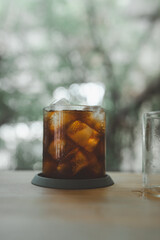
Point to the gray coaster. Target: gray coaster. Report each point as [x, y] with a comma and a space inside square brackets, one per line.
[40, 180]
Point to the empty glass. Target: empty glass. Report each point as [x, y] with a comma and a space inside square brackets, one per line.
[151, 153]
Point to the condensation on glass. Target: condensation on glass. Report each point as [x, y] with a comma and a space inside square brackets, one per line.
[74, 142]
[151, 151]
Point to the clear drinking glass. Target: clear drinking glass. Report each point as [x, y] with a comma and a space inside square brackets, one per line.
[74, 142]
[151, 152]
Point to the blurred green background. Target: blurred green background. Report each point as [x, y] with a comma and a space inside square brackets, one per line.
[98, 52]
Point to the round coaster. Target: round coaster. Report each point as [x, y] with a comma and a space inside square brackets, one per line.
[40, 180]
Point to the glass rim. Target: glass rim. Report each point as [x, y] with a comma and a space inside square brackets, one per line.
[73, 108]
[152, 114]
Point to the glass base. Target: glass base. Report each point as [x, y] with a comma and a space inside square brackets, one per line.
[152, 191]
[41, 181]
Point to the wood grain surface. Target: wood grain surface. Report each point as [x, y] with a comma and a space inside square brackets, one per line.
[118, 212]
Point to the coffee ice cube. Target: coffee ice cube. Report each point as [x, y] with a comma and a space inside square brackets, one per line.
[56, 148]
[96, 120]
[95, 165]
[64, 166]
[59, 105]
[78, 162]
[83, 135]
[60, 148]
[74, 161]
[64, 170]
[96, 168]
[49, 168]
[59, 119]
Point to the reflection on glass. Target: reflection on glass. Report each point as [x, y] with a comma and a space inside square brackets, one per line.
[151, 152]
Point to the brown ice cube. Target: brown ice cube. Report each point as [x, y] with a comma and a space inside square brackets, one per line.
[83, 135]
[94, 165]
[101, 148]
[56, 148]
[79, 161]
[96, 169]
[49, 168]
[64, 166]
[73, 162]
[60, 119]
[64, 169]
[96, 120]
[61, 147]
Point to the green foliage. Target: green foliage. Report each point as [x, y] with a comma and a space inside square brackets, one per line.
[27, 154]
[47, 44]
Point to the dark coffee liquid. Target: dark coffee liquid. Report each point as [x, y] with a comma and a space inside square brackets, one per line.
[74, 144]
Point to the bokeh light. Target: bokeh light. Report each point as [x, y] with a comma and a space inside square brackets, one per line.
[90, 52]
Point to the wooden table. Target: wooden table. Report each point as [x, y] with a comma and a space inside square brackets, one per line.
[117, 212]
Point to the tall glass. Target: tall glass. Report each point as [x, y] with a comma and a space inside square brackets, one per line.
[151, 152]
[74, 142]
